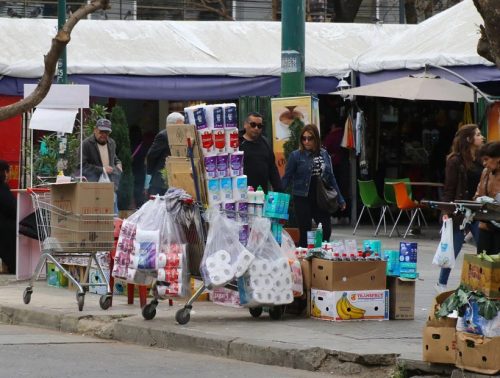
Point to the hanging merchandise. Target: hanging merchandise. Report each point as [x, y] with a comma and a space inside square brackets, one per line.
[348, 138]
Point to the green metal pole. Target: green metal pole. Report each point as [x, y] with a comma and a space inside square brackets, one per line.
[62, 75]
[293, 27]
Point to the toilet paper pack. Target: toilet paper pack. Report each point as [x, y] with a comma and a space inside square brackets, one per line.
[240, 188]
[206, 142]
[226, 188]
[218, 112]
[230, 116]
[214, 193]
[232, 140]
[219, 136]
[236, 163]
[222, 165]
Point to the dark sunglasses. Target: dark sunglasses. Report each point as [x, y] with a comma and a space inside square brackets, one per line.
[307, 138]
[255, 124]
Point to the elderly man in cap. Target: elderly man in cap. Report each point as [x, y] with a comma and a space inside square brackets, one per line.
[99, 160]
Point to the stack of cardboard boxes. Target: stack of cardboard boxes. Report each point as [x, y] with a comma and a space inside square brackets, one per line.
[466, 342]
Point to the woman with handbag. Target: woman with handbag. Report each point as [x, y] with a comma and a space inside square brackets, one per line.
[462, 174]
[314, 188]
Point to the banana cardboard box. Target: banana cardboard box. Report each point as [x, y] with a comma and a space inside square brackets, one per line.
[483, 275]
[350, 305]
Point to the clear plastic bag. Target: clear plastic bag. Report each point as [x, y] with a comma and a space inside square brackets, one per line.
[224, 257]
[268, 280]
[288, 249]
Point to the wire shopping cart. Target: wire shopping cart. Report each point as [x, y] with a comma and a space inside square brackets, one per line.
[63, 234]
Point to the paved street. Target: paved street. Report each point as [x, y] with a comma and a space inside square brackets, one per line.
[31, 352]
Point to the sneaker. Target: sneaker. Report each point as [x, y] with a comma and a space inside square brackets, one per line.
[439, 288]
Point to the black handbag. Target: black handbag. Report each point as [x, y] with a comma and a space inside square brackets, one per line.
[326, 197]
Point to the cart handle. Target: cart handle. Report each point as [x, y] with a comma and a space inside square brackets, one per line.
[37, 190]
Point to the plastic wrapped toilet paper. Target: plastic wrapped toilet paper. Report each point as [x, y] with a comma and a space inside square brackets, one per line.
[209, 115]
[169, 275]
[219, 136]
[243, 262]
[226, 188]
[240, 188]
[221, 275]
[207, 141]
[146, 249]
[260, 267]
[210, 167]
[280, 266]
[236, 163]
[232, 140]
[218, 114]
[214, 196]
[200, 118]
[222, 165]
[230, 116]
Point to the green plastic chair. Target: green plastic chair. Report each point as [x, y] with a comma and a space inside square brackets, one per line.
[371, 200]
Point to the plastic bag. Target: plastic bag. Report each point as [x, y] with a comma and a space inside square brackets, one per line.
[104, 177]
[445, 252]
[289, 250]
[269, 279]
[224, 257]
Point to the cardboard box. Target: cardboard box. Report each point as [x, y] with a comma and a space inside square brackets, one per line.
[402, 298]
[177, 140]
[180, 175]
[478, 353]
[432, 321]
[326, 305]
[306, 266]
[82, 216]
[348, 275]
[439, 344]
[478, 274]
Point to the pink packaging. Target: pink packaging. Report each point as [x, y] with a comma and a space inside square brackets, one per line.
[232, 140]
[219, 140]
[210, 166]
[207, 141]
[222, 165]
[236, 164]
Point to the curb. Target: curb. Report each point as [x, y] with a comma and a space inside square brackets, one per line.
[290, 355]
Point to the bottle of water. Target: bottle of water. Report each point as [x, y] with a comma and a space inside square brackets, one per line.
[259, 202]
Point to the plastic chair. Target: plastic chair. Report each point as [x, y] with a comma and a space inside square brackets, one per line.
[371, 200]
[406, 204]
[389, 195]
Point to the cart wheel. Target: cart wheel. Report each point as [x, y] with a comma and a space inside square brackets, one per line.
[105, 302]
[149, 311]
[255, 311]
[80, 298]
[276, 312]
[183, 315]
[27, 295]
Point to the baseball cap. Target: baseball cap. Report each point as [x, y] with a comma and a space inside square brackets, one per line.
[103, 124]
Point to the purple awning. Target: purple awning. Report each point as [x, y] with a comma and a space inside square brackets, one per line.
[176, 87]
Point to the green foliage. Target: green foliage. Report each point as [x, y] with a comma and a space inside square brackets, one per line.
[96, 111]
[120, 134]
[293, 142]
[45, 156]
[460, 299]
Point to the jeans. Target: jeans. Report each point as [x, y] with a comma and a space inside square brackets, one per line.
[458, 242]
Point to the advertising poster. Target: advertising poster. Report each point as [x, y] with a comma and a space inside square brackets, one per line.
[284, 110]
[494, 122]
[10, 130]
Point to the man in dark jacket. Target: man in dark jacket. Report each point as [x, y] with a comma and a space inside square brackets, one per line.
[155, 160]
[259, 162]
[99, 156]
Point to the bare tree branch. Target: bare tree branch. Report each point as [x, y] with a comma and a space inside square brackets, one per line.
[59, 42]
[215, 6]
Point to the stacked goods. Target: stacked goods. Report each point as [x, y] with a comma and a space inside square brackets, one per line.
[348, 288]
[476, 305]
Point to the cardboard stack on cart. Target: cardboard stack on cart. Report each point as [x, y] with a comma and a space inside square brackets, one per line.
[470, 342]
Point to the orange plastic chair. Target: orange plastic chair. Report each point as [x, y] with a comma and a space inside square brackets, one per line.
[406, 204]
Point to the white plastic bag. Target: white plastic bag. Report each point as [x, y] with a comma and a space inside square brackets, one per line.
[104, 177]
[445, 252]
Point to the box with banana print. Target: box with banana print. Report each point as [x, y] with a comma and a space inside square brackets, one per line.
[350, 305]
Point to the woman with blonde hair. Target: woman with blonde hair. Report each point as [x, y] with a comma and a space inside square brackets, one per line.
[462, 174]
[305, 166]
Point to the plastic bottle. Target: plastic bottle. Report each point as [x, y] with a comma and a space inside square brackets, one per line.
[318, 237]
[344, 257]
[360, 256]
[376, 257]
[336, 256]
[259, 202]
[251, 200]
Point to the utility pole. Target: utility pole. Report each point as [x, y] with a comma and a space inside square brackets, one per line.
[293, 26]
[62, 75]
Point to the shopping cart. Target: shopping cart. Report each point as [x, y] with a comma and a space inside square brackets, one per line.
[63, 234]
[472, 210]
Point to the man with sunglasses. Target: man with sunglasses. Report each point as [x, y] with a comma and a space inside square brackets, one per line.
[259, 162]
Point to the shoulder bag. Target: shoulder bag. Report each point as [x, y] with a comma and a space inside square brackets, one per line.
[326, 197]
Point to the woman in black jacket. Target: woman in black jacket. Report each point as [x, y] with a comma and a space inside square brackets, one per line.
[462, 174]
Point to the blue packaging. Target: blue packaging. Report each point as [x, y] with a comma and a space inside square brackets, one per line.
[393, 264]
[218, 117]
[200, 119]
[230, 117]
[372, 246]
[408, 252]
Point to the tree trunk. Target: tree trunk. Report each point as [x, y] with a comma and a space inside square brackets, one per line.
[489, 43]
[346, 10]
[411, 12]
[59, 42]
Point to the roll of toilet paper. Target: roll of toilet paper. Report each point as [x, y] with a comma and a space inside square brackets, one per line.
[281, 266]
[220, 276]
[222, 255]
[260, 267]
[283, 283]
[211, 263]
[243, 262]
[257, 297]
[284, 298]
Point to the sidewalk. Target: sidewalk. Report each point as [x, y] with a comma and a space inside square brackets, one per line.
[367, 348]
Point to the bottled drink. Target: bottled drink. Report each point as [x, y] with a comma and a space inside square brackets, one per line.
[318, 238]
[376, 257]
[259, 202]
[335, 256]
[344, 257]
[251, 201]
[360, 256]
